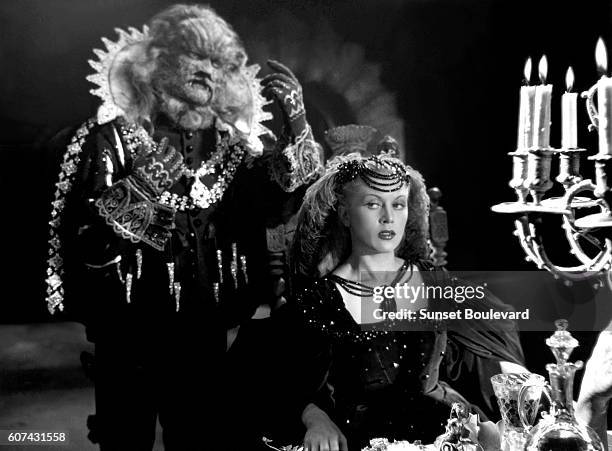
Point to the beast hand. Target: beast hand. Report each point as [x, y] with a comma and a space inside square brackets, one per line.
[284, 87]
[160, 169]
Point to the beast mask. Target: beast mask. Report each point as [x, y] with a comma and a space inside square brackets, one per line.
[188, 64]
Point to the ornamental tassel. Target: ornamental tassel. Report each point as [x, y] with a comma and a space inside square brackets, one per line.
[108, 168]
[216, 291]
[243, 267]
[170, 266]
[177, 295]
[138, 263]
[119, 274]
[220, 265]
[128, 287]
[234, 265]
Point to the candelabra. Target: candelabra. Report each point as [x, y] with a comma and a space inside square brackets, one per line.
[531, 180]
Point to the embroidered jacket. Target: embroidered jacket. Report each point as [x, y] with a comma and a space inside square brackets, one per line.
[216, 258]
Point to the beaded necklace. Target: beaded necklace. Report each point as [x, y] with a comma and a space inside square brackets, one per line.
[365, 291]
[224, 162]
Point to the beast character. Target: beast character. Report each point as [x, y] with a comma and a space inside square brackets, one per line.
[160, 217]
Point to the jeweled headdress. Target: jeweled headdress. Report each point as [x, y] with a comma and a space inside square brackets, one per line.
[378, 171]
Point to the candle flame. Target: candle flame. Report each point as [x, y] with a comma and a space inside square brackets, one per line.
[543, 69]
[527, 71]
[569, 79]
[601, 57]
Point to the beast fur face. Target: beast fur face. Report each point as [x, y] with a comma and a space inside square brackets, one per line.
[185, 86]
[197, 77]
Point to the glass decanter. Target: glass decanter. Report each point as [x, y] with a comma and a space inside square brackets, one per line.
[559, 430]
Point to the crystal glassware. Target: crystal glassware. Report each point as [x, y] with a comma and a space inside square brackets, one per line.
[509, 388]
[559, 429]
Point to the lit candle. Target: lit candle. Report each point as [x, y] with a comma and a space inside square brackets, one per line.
[526, 106]
[543, 94]
[569, 126]
[604, 100]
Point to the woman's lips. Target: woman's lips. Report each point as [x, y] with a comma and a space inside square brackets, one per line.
[386, 235]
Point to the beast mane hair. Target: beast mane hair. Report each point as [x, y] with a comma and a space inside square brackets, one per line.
[179, 29]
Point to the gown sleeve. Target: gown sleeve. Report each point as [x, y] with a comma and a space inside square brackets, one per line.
[307, 350]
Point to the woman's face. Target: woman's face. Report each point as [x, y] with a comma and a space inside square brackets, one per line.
[376, 219]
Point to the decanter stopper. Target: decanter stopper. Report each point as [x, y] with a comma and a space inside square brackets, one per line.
[561, 343]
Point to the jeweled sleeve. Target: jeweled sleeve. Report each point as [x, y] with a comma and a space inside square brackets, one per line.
[296, 163]
[88, 165]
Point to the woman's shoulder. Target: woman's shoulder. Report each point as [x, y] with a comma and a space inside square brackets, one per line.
[316, 292]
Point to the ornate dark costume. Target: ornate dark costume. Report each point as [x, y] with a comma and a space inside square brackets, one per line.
[376, 380]
[158, 238]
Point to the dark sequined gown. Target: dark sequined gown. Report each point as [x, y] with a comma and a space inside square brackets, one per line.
[376, 381]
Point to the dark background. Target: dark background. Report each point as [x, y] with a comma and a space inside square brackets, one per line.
[454, 68]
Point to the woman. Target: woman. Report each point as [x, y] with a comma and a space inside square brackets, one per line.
[364, 225]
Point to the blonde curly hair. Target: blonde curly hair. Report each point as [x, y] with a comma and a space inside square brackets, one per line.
[321, 242]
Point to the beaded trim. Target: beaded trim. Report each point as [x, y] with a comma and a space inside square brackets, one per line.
[204, 197]
[55, 270]
[135, 138]
[224, 161]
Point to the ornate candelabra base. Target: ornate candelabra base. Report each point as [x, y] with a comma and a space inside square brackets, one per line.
[538, 173]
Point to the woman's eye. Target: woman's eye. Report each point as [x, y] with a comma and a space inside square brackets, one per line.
[372, 205]
[399, 206]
